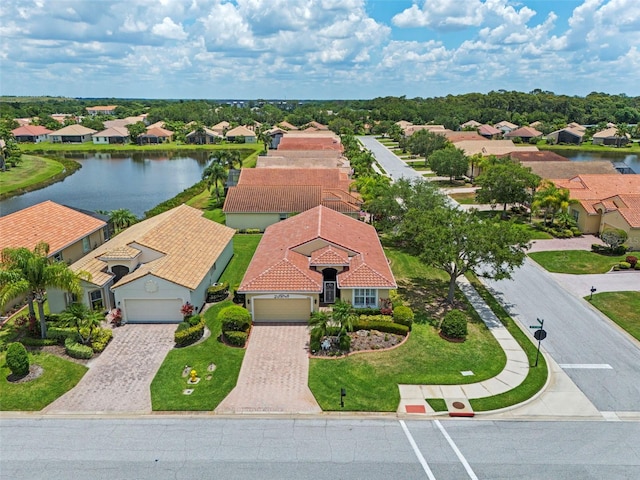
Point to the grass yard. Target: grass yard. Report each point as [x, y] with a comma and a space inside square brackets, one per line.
[168, 384]
[58, 377]
[31, 171]
[621, 307]
[465, 198]
[91, 147]
[578, 262]
[244, 245]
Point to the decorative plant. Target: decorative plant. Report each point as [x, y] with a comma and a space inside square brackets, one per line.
[187, 310]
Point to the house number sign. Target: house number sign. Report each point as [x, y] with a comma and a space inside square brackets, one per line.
[281, 295]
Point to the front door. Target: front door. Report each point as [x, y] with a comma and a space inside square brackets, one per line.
[329, 292]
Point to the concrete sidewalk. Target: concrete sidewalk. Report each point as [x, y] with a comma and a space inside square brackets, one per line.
[412, 397]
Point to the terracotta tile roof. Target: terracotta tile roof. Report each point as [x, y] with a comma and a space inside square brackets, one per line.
[568, 169]
[30, 130]
[488, 130]
[309, 143]
[598, 187]
[287, 126]
[492, 147]
[329, 255]
[540, 156]
[102, 107]
[188, 244]
[326, 177]
[73, 130]
[48, 222]
[507, 124]
[470, 123]
[123, 252]
[455, 137]
[608, 133]
[113, 132]
[157, 132]
[630, 209]
[271, 268]
[240, 131]
[523, 132]
[272, 198]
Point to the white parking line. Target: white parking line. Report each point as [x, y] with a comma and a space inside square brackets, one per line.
[416, 450]
[458, 453]
[586, 366]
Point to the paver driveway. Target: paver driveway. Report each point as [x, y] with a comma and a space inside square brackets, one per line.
[274, 373]
[118, 380]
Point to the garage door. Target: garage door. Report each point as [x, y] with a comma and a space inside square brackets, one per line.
[153, 311]
[289, 310]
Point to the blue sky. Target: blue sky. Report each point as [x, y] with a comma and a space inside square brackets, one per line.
[317, 49]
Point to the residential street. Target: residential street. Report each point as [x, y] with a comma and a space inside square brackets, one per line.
[602, 360]
[391, 164]
[287, 448]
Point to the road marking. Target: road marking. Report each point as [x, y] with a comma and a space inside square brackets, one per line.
[586, 366]
[458, 453]
[416, 450]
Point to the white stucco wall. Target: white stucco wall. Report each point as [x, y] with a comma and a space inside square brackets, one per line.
[150, 287]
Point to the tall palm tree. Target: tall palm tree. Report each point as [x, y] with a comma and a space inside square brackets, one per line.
[30, 273]
[551, 199]
[622, 130]
[214, 174]
[122, 218]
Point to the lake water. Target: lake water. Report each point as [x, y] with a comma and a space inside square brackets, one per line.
[137, 181]
[631, 160]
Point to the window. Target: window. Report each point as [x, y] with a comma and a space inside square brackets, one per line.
[86, 244]
[95, 299]
[283, 216]
[575, 214]
[105, 232]
[57, 257]
[365, 297]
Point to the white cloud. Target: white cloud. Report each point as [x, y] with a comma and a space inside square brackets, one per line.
[169, 29]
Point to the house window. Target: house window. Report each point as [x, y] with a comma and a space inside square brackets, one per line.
[86, 244]
[365, 297]
[57, 257]
[70, 298]
[283, 216]
[95, 300]
[575, 214]
[105, 232]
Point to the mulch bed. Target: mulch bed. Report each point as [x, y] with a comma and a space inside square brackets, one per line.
[34, 372]
[364, 340]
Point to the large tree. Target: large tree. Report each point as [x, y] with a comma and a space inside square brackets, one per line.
[136, 129]
[450, 162]
[506, 183]
[458, 241]
[551, 200]
[30, 273]
[424, 143]
[215, 174]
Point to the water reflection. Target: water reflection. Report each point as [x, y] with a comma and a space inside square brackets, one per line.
[632, 160]
[108, 181]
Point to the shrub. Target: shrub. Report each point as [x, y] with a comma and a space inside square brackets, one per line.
[239, 298]
[345, 343]
[218, 292]
[189, 335]
[235, 338]
[619, 250]
[183, 326]
[381, 326]
[235, 318]
[314, 344]
[17, 359]
[38, 342]
[77, 350]
[631, 260]
[376, 318]
[403, 315]
[367, 311]
[454, 325]
[61, 334]
[100, 339]
[597, 248]
[194, 320]
[624, 265]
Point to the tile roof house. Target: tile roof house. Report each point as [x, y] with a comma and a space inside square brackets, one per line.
[264, 196]
[470, 124]
[205, 136]
[492, 147]
[606, 201]
[505, 126]
[487, 131]
[304, 159]
[287, 126]
[154, 267]
[112, 135]
[102, 110]
[221, 127]
[31, 133]
[524, 133]
[69, 233]
[72, 134]
[155, 135]
[572, 133]
[241, 131]
[295, 142]
[609, 137]
[312, 259]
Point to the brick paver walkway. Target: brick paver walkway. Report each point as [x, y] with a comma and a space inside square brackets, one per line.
[274, 373]
[119, 379]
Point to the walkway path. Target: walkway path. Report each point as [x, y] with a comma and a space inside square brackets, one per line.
[119, 379]
[274, 373]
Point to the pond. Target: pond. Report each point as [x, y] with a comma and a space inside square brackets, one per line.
[632, 160]
[137, 181]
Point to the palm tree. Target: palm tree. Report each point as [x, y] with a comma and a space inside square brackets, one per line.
[622, 130]
[551, 199]
[122, 218]
[342, 314]
[214, 174]
[319, 323]
[30, 273]
[81, 317]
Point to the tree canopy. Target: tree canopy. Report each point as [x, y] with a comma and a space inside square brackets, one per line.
[450, 162]
[504, 183]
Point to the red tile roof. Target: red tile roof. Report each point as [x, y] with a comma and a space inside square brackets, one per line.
[272, 198]
[329, 255]
[326, 177]
[279, 265]
[525, 132]
[488, 130]
[310, 143]
[30, 130]
[48, 222]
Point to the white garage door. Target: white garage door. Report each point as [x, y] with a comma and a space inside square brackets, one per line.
[281, 310]
[153, 311]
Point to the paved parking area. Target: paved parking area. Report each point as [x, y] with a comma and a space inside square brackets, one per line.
[274, 373]
[118, 380]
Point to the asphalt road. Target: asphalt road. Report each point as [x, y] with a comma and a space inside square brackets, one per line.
[391, 164]
[601, 359]
[207, 447]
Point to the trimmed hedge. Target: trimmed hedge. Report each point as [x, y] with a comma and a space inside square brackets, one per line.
[61, 334]
[376, 318]
[187, 336]
[17, 359]
[100, 339]
[77, 350]
[235, 338]
[217, 293]
[454, 325]
[367, 311]
[403, 315]
[193, 320]
[381, 326]
[38, 342]
[235, 318]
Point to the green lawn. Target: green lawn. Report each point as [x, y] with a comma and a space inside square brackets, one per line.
[58, 377]
[466, 198]
[244, 245]
[91, 147]
[31, 171]
[621, 307]
[576, 261]
[168, 384]
[589, 147]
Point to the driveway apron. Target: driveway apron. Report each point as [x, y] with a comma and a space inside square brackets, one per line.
[274, 373]
[118, 380]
